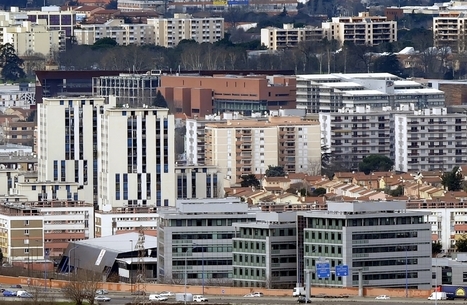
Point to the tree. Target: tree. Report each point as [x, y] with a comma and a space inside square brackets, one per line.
[275, 171]
[104, 43]
[399, 191]
[461, 244]
[374, 163]
[82, 287]
[11, 64]
[436, 248]
[319, 192]
[453, 180]
[388, 64]
[159, 100]
[249, 181]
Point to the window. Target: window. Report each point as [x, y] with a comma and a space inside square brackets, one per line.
[26, 222]
[464, 277]
[26, 232]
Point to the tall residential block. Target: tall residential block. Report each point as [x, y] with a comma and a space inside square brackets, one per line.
[55, 18]
[450, 30]
[389, 244]
[288, 36]
[136, 157]
[199, 181]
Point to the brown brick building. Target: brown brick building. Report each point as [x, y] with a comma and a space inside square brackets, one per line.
[202, 95]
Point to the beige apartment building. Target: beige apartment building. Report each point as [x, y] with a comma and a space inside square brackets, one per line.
[241, 147]
[123, 34]
[361, 30]
[288, 36]
[450, 30]
[170, 31]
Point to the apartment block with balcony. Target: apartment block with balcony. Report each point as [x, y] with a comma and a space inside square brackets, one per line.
[450, 30]
[55, 18]
[391, 245]
[361, 30]
[289, 36]
[168, 32]
[123, 220]
[124, 34]
[264, 252]
[430, 139]
[19, 132]
[195, 240]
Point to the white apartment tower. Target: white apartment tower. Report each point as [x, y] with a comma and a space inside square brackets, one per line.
[67, 142]
[136, 157]
[450, 30]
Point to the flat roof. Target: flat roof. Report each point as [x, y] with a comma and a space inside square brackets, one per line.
[120, 242]
[418, 91]
[365, 92]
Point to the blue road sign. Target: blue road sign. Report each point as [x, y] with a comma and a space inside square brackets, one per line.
[342, 270]
[323, 270]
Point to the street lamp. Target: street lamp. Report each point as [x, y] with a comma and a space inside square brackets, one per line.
[69, 252]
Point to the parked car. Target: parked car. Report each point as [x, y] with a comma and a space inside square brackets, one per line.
[25, 295]
[383, 297]
[302, 299]
[8, 293]
[101, 291]
[253, 295]
[16, 286]
[199, 298]
[167, 294]
[157, 297]
[102, 298]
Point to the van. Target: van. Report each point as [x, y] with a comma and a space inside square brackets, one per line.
[438, 296]
[298, 291]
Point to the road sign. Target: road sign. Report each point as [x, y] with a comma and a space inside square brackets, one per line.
[323, 270]
[342, 270]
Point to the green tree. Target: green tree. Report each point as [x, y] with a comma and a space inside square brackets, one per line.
[319, 192]
[275, 171]
[436, 248]
[388, 64]
[374, 163]
[249, 181]
[11, 64]
[104, 43]
[453, 180]
[461, 244]
[159, 100]
[399, 191]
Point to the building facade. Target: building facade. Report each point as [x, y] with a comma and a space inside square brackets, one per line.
[390, 245]
[197, 182]
[449, 30]
[195, 240]
[123, 220]
[55, 18]
[289, 36]
[264, 252]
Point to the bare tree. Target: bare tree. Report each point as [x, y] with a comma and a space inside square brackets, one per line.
[313, 167]
[82, 287]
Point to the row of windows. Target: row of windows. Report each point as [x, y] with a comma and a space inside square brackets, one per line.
[389, 262]
[387, 276]
[385, 249]
[203, 236]
[331, 236]
[384, 235]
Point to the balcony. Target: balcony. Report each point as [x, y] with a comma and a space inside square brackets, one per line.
[436, 138]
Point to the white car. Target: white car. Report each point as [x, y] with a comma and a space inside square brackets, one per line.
[253, 295]
[102, 298]
[101, 291]
[383, 297]
[157, 297]
[199, 298]
[167, 294]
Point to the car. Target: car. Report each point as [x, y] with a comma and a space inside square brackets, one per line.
[199, 298]
[16, 286]
[8, 293]
[253, 295]
[102, 298]
[157, 297]
[383, 297]
[101, 291]
[26, 295]
[168, 294]
[302, 299]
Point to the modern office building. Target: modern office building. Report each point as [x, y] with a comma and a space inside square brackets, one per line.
[289, 37]
[56, 18]
[139, 5]
[168, 32]
[329, 93]
[205, 95]
[264, 252]
[137, 158]
[132, 89]
[449, 30]
[123, 220]
[361, 30]
[389, 244]
[429, 139]
[123, 33]
[68, 142]
[195, 240]
[199, 181]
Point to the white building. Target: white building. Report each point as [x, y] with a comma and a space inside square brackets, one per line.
[449, 30]
[288, 36]
[429, 139]
[136, 157]
[124, 34]
[123, 220]
[22, 95]
[56, 18]
[139, 5]
[169, 32]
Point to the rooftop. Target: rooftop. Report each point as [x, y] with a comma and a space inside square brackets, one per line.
[119, 243]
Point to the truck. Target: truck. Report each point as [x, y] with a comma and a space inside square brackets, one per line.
[182, 297]
[298, 291]
[438, 296]
[454, 291]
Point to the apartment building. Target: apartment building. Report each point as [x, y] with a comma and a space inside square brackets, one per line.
[56, 18]
[389, 244]
[331, 92]
[169, 32]
[124, 220]
[137, 157]
[199, 181]
[429, 139]
[124, 34]
[205, 95]
[195, 240]
[28, 37]
[264, 252]
[68, 142]
[19, 132]
[289, 36]
[128, 88]
[139, 5]
[241, 147]
[449, 30]
[194, 140]
[18, 95]
[361, 30]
